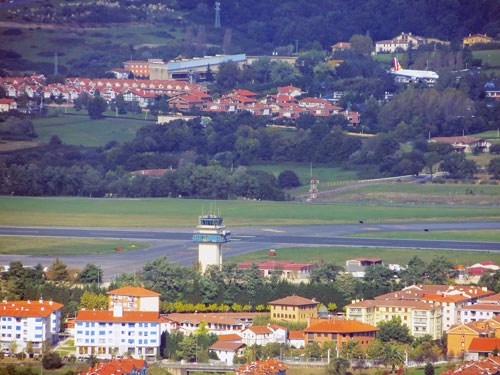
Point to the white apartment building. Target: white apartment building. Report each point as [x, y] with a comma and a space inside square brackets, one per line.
[134, 298]
[478, 311]
[29, 321]
[109, 333]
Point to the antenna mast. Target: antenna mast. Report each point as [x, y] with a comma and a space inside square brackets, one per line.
[56, 67]
[217, 14]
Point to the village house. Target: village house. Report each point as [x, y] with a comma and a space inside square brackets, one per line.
[476, 38]
[227, 350]
[7, 105]
[185, 103]
[464, 143]
[340, 46]
[291, 271]
[492, 89]
[482, 348]
[340, 331]
[294, 309]
[263, 335]
[119, 366]
[486, 366]
[460, 336]
[357, 267]
[478, 311]
[296, 339]
[269, 366]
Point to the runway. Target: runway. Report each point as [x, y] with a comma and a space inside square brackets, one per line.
[178, 246]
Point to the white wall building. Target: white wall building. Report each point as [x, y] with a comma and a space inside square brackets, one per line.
[478, 311]
[226, 350]
[35, 321]
[263, 335]
[107, 333]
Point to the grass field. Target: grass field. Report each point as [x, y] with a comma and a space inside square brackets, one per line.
[449, 194]
[490, 134]
[338, 255]
[184, 212]
[490, 57]
[108, 113]
[64, 246]
[482, 160]
[303, 170]
[455, 235]
[83, 131]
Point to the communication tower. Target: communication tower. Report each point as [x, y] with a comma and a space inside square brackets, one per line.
[211, 236]
[56, 67]
[217, 14]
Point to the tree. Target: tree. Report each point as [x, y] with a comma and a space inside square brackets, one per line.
[121, 105]
[338, 366]
[494, 168]
[429, 369]
[282, 73]
[91, 301]
[29, 347]
[13, 347]
[414, 272]
[394, 330]
[312, 350]
[289, 179]
[361, 44]
[55, 141]
[439, 270]
[96, 107]
[495, 149]
[226, 43]
[90, 274]
[228, 75]
[58, 271]
[51, 361]
[458, 166]
[393, 356]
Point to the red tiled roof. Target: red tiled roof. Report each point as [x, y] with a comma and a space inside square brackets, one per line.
[293, 301]
[29, 308]
[419, 305]
[230, 337]
[482, 306]
[340, 325]
[296, 335]
[135, 291]
[227, 345]
[116, 367]
[484, 344]
[107, 316]
[6, 101]
[464, 140]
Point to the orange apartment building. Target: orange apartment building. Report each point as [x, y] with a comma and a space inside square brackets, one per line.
[461, 336]
[134, 298]
[294, 309]
[340, 331]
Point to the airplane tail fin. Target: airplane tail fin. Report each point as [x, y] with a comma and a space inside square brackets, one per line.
[397, 66]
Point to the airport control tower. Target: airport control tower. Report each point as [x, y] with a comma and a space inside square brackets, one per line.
[210, 237]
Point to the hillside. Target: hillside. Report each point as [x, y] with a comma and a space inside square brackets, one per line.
[92, 38]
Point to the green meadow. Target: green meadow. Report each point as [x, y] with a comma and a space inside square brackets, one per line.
[64, 246]
[184, 212]
[338, 255]
[76, 130]
[455, 235]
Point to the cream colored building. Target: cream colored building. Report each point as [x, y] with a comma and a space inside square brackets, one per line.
[422, 318]
[134, 298]
[294, 309]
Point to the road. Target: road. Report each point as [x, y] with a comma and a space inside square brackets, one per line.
[177, 244]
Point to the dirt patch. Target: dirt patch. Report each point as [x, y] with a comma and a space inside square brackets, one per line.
[409, 198]
[18, 145]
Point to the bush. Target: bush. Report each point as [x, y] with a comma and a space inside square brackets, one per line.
[51, 361]
[288, 179]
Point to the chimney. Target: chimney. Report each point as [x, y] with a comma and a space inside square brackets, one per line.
[118, 311]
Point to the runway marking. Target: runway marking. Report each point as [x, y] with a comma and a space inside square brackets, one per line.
[244, 236]
[371, 228]
[273, 230]
[193, 248]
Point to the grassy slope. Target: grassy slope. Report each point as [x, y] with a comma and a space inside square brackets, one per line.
[177, 212]
[83, 131]
[339, 255]
[64, 246]
[455, 235]
[431, 189]
[303, 170]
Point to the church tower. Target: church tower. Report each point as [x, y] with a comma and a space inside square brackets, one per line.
[211, 235]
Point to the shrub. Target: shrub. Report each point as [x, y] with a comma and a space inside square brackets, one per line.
[51, 361]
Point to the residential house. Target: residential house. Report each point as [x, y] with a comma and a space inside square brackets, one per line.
[257, 109]
[291, 271]
[482, 347]
[476, 38]
[232, 337]
[486, 366]
[134, 298]
[478, 311]
[494, 298]
[479, 268]
[351, 116]
[109, 333]
[35, 321]
[296, 339]
[119, 366]
[391, 46]
[263, 335]
[450, 305]
[269, 366]
[357, 266]
[492, 89]
[289, 91]
[142, 97]
[340, 46]
[340, 331]
[186, 103]
[120, 73]
[218, 323]
[422, 318]
[227, 350]
[293, 309]
[464, 143]
[7, 105]
[460, 336]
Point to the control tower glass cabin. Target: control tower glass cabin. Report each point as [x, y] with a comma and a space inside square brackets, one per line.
[211, 235]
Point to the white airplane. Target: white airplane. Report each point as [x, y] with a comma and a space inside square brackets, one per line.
[412, 75]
